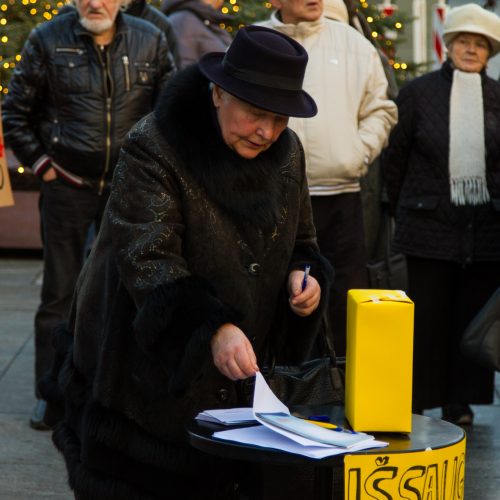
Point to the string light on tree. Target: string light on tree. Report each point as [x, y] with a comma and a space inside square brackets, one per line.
[387, 25]
[244, 13]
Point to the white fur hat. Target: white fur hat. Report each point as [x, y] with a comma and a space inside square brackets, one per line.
[336, 10]
[470, 18]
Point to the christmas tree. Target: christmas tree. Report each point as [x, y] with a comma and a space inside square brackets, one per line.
[385, 26]
[17, 19]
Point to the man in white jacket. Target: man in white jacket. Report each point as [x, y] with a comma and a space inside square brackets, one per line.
[346, 79]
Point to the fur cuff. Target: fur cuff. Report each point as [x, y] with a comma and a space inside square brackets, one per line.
[177, 321]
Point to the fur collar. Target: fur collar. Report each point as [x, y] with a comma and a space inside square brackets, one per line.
[249, 190]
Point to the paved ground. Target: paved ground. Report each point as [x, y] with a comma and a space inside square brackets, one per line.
[31, 469]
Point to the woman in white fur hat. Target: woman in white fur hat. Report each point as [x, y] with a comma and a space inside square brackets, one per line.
[442, 169]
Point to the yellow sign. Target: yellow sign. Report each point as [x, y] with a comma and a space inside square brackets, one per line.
[6, 198]
[424, 475]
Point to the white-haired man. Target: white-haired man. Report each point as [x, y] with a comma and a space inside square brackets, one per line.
[84, 79]
[355, 116]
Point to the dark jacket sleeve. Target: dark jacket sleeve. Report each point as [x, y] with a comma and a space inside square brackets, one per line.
[166, 64]
[194, 38]
[177, 313]
[146, 229]
[172, 41]
[395, 158]
[160, 20]
[26, 89]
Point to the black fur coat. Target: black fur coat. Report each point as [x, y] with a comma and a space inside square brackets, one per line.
[194, 236]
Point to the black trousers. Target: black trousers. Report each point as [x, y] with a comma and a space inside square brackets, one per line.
[66, 215]
[447, 296]
[339, 227]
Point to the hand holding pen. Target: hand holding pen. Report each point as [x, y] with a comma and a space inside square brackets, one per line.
[305, 292]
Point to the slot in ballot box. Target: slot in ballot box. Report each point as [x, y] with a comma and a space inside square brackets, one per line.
[379, 361]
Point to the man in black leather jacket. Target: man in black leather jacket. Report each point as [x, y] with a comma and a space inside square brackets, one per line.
[84, 79]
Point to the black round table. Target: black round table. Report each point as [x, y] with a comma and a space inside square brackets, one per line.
[428, 434]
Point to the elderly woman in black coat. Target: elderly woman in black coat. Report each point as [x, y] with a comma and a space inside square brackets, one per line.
[442, 168]
[196, 276]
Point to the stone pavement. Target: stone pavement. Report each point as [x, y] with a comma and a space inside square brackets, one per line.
[30, 467]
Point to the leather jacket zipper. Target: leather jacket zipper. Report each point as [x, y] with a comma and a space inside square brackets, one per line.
[108, 86]
[108, 145]
[126, 68]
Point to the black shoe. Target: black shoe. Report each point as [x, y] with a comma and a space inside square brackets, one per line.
[458, 414]
[37, 417]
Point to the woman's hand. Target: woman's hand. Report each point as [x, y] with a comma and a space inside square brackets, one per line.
[233, 353]
[50, 175]
[303, 302]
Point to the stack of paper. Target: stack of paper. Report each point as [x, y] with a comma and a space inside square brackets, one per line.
[282, 431]
[299, 426]
[233, 416]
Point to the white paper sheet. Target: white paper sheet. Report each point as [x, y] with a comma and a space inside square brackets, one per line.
[267, 438]
[335, 436]
[265, 401]
[231, 416]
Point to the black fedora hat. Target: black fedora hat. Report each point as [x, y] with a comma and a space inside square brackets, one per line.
[264, 68]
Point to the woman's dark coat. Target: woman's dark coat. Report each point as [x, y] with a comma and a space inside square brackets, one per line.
[195, 236]
[448, 247]
[417, 175]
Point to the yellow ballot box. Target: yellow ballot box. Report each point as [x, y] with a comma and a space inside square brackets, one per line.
[379, 360]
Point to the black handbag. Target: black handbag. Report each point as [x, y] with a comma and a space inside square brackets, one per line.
[481, 339]
[389, 273]
[318, 381]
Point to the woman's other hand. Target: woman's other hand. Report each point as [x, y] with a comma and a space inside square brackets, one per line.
[233, 353]
[303, 302]
[49, 175]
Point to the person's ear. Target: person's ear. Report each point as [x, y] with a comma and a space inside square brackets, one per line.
[217, 95]
[277, 4]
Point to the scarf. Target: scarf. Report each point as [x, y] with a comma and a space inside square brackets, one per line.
[467, 164]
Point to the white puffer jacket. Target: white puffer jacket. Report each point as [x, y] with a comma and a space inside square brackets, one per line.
[345, 77]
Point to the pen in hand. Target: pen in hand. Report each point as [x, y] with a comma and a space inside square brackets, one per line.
[306, 274]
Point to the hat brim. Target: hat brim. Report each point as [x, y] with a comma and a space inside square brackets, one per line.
[283, 102]
[448, 37]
